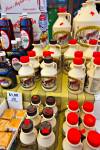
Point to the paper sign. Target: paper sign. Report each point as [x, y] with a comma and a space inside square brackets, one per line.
[14, 100]
[20, 6]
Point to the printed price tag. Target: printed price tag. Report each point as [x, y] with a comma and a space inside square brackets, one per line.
[14, 100]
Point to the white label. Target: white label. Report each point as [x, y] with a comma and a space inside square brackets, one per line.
[14, 100]
[97, 97]
[5, 40]
[25, 39]
[16, 64]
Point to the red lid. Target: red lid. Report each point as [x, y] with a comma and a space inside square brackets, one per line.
[72, 41]
[27, 122]
[96, 54]
[89, 120]
[47, 53]
[24, 59]
[93, 41]
[73, 105]
[74, 136]
[72, 118]
[88, 106]
[93, 138]
[78, 54]
[31, 53]
[62, 9]
[97, 61]
[78, 61]
[42, 17]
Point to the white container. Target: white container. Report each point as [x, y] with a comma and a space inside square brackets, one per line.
[87, 24]
[87, 108]
[33, 114]
[73, 106]
[92, 142]
[92, 48]
[34, 62]
[36, 101]
[93, 78]
[90, 64]
[76, 77]
[51, 102]
[28, 134]
[26, 74]
[56, 49]
[49, 75]
[62, 27]
[88, 123]
[78, 14]
[78, 54]
[69, 54]
[48, 115]
[45, 54]
[38, 49]
[73, 140]
[46, 137]
[71, 122]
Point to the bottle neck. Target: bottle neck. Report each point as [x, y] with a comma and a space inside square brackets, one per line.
[62, 15]
[47, 65]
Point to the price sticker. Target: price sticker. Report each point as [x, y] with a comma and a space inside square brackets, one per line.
[14, 100]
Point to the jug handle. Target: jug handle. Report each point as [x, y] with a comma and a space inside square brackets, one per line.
[55, 65]
[59, 46]
[69, 17]
[92, 78]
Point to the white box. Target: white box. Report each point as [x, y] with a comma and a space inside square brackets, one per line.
[19, 6]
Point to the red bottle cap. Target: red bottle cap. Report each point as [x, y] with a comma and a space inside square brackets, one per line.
[97, 61]
[93, 41]
[45, 128]
[96, 54]
[24, 59]
[88, 106]
[93, 138]
[72, 118]
[62, 9]
[72, 41]
[31, 53]
[89, 120]
[78, 54]
[74, 136]
[73, 105]
[78, 61]
[27, 122]
[47, 53]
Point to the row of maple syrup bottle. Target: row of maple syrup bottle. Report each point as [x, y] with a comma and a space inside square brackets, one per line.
[39, 128]
[47, 64]
[79, 128]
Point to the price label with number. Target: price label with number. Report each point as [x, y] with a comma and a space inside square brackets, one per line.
[14, 100]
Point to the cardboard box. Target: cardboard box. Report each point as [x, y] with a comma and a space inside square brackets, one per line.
[19, 6]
